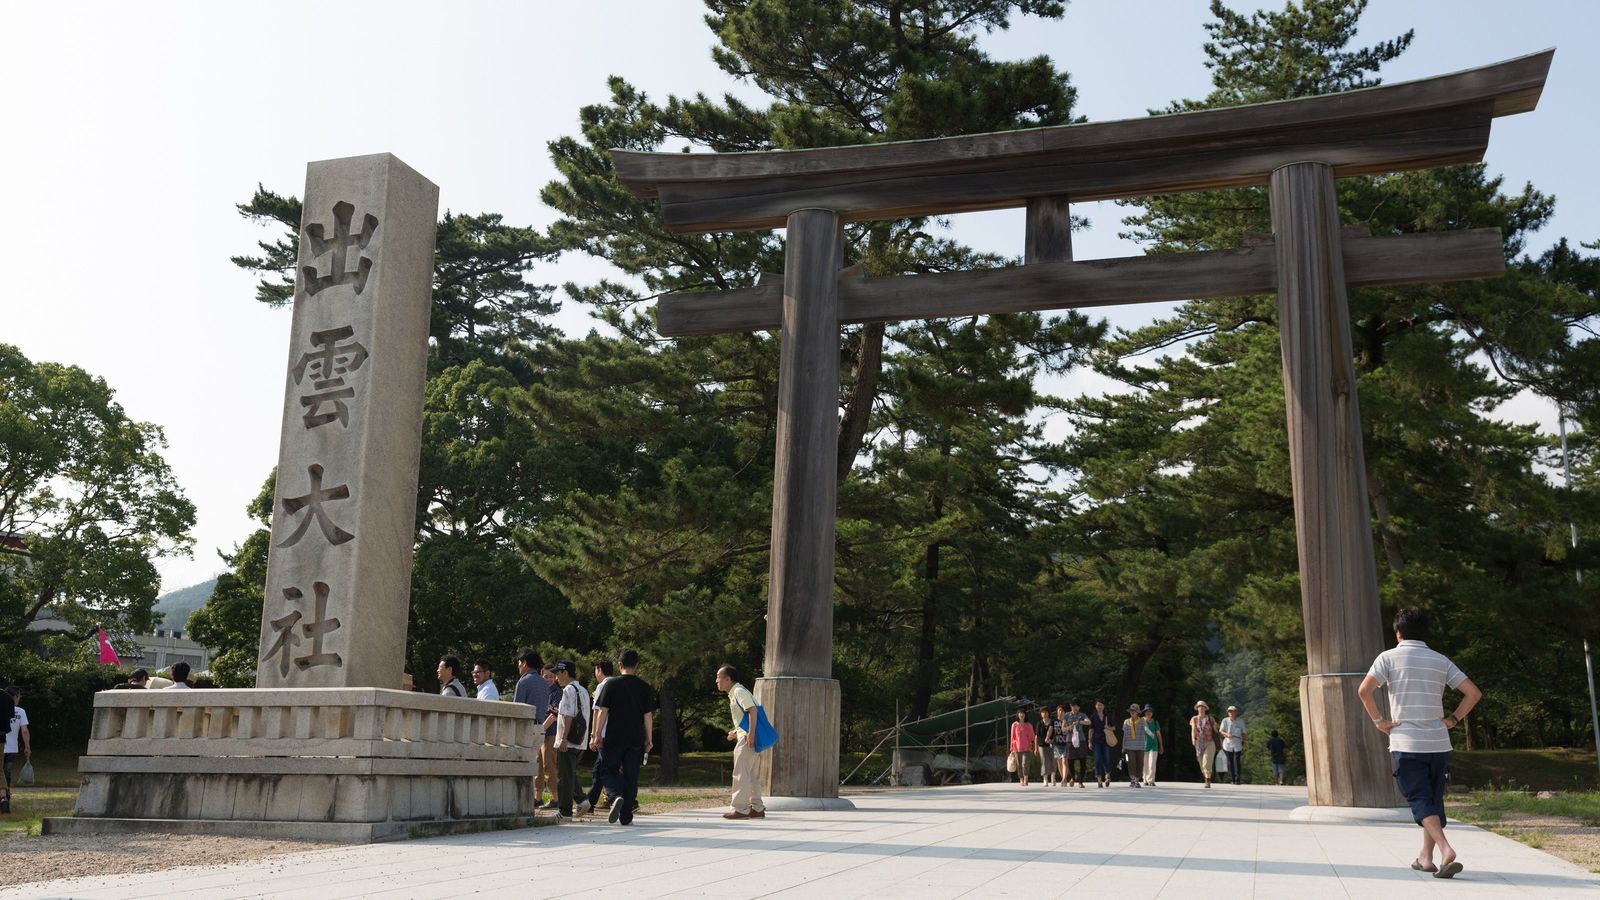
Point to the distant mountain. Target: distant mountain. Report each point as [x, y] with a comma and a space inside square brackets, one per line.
[176, 606]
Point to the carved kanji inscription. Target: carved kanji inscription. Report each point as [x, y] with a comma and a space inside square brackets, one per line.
[332, 358]
[314, 630]
[343, 266]
[312, 503]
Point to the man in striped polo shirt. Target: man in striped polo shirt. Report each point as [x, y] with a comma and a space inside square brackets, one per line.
[1418, 729]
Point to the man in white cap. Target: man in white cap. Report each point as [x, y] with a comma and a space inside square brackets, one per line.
[1233, 741]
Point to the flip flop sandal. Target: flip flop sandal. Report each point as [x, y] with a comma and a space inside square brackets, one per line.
[1417, 864]
[1449, 871]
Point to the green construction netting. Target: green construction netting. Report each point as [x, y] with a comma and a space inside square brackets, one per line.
[947, 728]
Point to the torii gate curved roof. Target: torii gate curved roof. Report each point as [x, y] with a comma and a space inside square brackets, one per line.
[1411, 125]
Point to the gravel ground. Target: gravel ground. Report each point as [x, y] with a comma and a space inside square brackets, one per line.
[47, 857]
[1569, 839]
[43, 858]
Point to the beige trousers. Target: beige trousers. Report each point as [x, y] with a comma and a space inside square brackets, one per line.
[544, 773]
[746, 778]
[1150, 757]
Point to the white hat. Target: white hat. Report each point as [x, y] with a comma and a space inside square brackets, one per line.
[1201, 704]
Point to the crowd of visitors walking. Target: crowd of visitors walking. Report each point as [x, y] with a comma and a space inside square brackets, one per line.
[615, 721]
[1072, 745]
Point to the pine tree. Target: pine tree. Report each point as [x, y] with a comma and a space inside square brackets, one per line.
[1465, 523]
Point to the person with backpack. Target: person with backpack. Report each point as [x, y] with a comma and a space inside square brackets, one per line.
[747, 803]
[572, 731]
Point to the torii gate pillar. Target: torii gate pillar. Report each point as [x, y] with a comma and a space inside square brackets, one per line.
[799, 691]
[1346, 758]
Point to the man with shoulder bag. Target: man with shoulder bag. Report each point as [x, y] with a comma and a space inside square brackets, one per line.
[571, 730]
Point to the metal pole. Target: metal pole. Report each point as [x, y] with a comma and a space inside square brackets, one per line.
[1588, 659]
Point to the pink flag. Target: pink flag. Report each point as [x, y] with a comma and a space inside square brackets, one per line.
[107, 655]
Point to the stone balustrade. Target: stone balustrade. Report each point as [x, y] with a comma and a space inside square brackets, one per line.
[327, 763]
[312, 722]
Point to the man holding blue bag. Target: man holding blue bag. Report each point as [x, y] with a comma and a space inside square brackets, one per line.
[751, 734]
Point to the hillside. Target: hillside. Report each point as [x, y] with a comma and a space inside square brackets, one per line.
[175, 607]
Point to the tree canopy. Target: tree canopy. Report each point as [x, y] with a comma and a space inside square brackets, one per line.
[87, 503]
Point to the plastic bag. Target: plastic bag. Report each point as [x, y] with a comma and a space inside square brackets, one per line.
[25, 777]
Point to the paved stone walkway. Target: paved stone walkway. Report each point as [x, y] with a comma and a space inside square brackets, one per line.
[978, 841]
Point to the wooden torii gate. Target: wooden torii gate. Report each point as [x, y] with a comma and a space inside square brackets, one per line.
[1295, 147]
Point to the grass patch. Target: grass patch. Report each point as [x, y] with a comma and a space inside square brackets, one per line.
[29, 805]
[1583, 806]
[54, 766]
[1545, 769]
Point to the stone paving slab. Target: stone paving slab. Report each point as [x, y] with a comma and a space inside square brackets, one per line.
[976, 841]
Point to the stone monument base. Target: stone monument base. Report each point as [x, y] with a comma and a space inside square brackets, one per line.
[342, 764]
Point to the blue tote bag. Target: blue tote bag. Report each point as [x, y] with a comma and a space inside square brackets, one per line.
[765, 734]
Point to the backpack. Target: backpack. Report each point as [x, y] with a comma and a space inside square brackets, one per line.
[580, 722]
[8, 708]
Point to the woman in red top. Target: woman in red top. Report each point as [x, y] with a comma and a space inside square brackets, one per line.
[1022, 745]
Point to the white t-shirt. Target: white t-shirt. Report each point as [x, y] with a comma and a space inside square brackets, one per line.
[487, 690]
[19, 719]
[574, 703]
[1232, 734]
[596, 698]
[1416, 677]
[177, 686]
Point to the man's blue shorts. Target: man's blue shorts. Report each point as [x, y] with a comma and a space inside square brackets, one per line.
[1420, 777]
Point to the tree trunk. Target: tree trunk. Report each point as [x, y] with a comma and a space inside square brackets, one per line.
[1380, 510]
[927, 665]
[1133, 670]
[667, 727]
[863, 392]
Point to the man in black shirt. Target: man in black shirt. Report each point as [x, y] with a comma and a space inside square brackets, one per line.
[1280, 756]
[623, 716]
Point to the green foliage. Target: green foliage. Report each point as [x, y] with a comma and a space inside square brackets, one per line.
[88, 494]
[58, 683]
[230, 621]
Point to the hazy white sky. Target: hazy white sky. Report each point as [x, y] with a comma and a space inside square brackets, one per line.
[132, 129]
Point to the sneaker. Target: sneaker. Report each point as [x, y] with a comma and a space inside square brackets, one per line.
[616, 812]
[584, 808]
[551, 805]
[5, 804]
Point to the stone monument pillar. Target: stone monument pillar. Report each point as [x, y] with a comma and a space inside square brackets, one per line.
[326, 746]
[344, 512]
